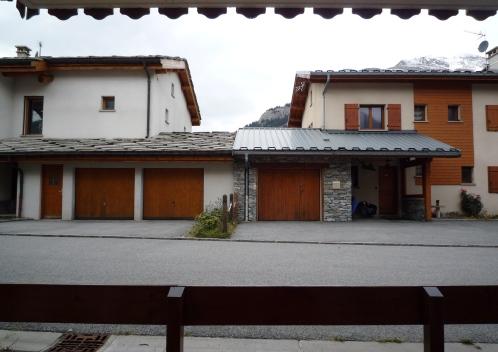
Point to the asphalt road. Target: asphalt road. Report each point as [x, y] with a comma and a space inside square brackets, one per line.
[180, 262]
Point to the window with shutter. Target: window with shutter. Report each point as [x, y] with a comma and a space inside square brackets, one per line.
[351, 117]
[493, 179]
[394, 117]
[492, 118]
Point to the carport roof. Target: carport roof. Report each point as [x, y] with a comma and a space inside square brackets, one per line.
[172, 143]
[291, 141]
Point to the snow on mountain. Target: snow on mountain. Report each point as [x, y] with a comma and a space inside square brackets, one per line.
[466, 62]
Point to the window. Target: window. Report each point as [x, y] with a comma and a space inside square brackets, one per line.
[33, 115]
[420, 113]
[467, 174]
[166, 116]
[419, 171]
[371, 117]
[453, 113]
[355, 180]
[108, 104]
[172, 90]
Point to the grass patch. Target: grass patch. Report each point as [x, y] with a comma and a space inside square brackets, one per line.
[208, 224]
[391, 340]
[339, 339]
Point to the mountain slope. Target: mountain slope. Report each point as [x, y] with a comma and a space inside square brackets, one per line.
[274, 117]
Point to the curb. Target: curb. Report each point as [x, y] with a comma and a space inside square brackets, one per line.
[345, 243]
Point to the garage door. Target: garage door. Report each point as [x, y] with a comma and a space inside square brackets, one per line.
[289, 194]
[173, 193]
[105, 193]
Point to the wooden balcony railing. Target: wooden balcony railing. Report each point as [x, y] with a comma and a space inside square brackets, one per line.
[177, 307]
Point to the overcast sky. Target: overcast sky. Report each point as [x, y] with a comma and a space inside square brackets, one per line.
[241, 67]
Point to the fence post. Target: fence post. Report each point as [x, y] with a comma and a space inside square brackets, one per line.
[174, 330]
[433, 320]
[225, 215]
[230, 208]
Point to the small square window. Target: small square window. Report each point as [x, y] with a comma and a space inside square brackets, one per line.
[166, 116]
[33, 115]
[108, 104]
[371, 117]
[467, 174]
[420, 113]
[172, 90]
[453, 113]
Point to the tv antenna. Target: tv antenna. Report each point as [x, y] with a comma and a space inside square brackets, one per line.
[483, 45]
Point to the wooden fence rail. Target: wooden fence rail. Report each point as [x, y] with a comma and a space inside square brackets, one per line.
[177, 307]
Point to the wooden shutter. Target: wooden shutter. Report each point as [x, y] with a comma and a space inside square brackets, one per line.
[493, 179]
[394, 117]
[492, 117]
[351, 117]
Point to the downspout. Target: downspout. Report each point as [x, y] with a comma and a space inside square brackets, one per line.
[323, 96]
[246, 187]
[148, 100]
[20, 173]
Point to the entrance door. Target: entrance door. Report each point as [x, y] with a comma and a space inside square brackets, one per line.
[388, 190]
[52, 191]
[289, 194]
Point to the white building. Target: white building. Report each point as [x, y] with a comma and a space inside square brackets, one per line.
[106, 137]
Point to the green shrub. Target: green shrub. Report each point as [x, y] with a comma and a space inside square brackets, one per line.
[470, 203]
[208, 224]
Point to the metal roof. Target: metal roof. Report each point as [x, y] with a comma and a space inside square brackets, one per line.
[174, 143]
[331, 142]
[396, 72]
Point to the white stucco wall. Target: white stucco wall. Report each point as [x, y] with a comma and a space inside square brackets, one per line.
[31, 201]
[72, 104]
[161, 99]
[218, 180]
[338, 94]
[6, 102]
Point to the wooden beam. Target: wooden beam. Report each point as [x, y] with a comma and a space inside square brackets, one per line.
[426, 189]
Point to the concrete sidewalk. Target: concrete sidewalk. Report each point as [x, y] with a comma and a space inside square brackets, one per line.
[29, 341]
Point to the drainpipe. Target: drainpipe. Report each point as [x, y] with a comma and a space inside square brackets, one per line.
[323, 95]
[148, 100]
[20, 193]
[246, 187]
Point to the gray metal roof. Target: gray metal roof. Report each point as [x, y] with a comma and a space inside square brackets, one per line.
[330, 142]
[407, 73]
[211, 143]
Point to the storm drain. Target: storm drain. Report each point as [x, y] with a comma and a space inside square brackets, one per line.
[71, 342]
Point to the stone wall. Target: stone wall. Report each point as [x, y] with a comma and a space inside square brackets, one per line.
[336, 202]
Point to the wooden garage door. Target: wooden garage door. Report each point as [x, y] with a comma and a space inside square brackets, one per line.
[173, 193]
[105, 193]
[289, 194]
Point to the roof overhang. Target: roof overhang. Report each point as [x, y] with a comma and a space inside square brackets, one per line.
[44, 67]
[303, 81]
[442, 9]
[315, 142]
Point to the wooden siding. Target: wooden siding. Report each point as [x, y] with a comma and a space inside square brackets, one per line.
[394, 117]
[173, 193]
[437, 96]
[492, 118]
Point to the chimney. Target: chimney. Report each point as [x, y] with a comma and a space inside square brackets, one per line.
[492, 64]
[22, 51]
